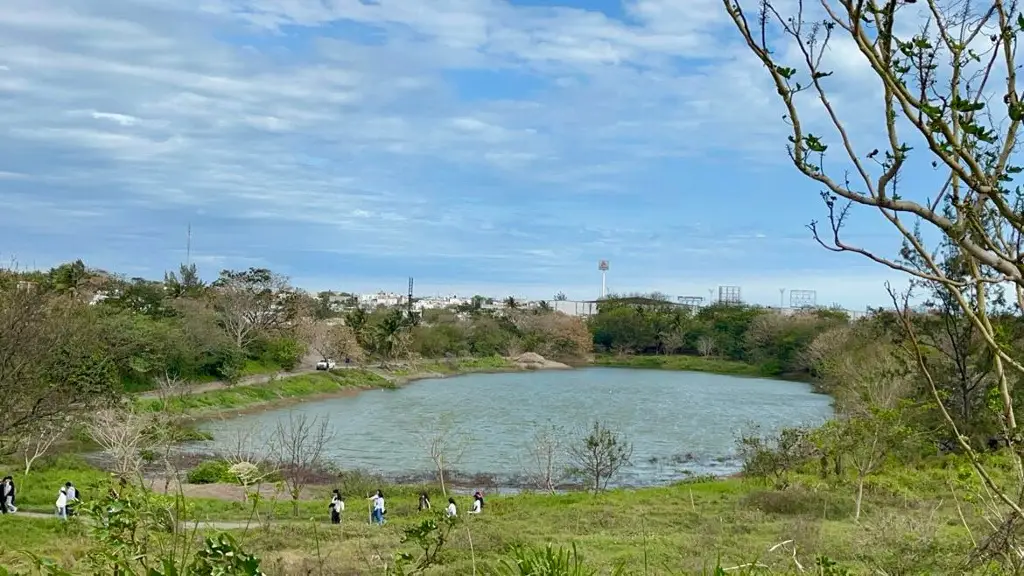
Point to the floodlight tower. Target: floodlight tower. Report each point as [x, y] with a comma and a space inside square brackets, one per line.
[782, 298]
[603, 267]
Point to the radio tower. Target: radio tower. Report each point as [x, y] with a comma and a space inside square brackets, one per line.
[408, 303]
[188, 246]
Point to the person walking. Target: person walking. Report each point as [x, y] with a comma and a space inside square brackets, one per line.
[378, 510]
[62, 504]
[72, 494]
[8, 501]
[337, 506]
[5, 489]
[451, 512]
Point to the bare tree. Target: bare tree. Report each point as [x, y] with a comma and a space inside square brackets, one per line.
[946, 77]
[330, 339]
[445, 445]
[546, 454]
[706, 346]
[123, 434]
[170, 389]
[599, 454]
[39, 442]
[250, 302]
[300, 444]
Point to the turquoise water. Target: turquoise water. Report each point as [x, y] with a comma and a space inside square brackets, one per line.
[680, 423]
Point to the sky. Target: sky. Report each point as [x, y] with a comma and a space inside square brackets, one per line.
[480, 146]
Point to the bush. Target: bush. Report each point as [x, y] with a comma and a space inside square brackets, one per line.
[211, 472]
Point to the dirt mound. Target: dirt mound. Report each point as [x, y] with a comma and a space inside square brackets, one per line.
[534, 361]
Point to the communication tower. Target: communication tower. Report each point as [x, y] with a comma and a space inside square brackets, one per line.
[408, 302]
[803, 298]
[603, 267]
[729, 295]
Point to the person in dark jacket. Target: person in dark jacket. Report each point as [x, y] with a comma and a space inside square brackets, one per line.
[424, 502]
[337, 506]
[7, 496]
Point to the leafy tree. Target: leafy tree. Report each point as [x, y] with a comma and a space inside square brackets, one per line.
[949, 97]
[598, 455]
[53, 363]
[249, 302]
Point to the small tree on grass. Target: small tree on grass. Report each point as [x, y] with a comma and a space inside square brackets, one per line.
[123, 434]
[866, 440]
[35, 445]
[546, 453]
[300, 443]
[445, 444]
[598, 455]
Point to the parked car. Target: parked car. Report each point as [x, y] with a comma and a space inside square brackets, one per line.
[325, 364]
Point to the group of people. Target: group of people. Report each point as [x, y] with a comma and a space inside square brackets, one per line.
[7, 496]
[378, 509]
[67, 498]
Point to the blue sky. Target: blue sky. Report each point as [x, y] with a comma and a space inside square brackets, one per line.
[481, 146]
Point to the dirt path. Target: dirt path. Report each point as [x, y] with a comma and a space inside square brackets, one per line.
[185, 525]
[221, 385]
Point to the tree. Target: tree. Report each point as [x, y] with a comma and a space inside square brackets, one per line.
[123, 434]
[300, 444]
[561, 297]
[185, 284]
[598, 455]
[511, 303]
[445, 445]
[949, 94]
[53, 364]
[250, 302]
[389, 337]
[557, 334]
[866, 440]
[706, 346]
[37, 443]
[546, 453]
[329, 340]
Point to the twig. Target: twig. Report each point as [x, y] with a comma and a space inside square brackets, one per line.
[963, 520]
[472, 554]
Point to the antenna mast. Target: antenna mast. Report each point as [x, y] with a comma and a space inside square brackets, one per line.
[408, 303]
[188, 246]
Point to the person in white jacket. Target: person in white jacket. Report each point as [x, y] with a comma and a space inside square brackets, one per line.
[478, 504]
[450, 511]
[62, 504]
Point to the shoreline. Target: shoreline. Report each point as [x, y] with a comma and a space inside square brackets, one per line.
[394, 381]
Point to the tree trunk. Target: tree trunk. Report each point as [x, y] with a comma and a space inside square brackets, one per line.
[440, 475]
[860, 497]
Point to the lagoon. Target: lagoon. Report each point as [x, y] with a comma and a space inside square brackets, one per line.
[680, 423]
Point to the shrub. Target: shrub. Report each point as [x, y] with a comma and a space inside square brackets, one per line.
[211, 472]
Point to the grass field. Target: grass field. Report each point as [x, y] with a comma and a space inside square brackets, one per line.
[291, 387]
[910, 526]
[680, 362]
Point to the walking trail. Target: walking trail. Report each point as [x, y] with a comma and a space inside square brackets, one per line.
[185, 525]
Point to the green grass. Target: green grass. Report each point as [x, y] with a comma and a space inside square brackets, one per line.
[466, 365]
[275, 390]
[259, 367]
[678, 529]
[680, 362]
